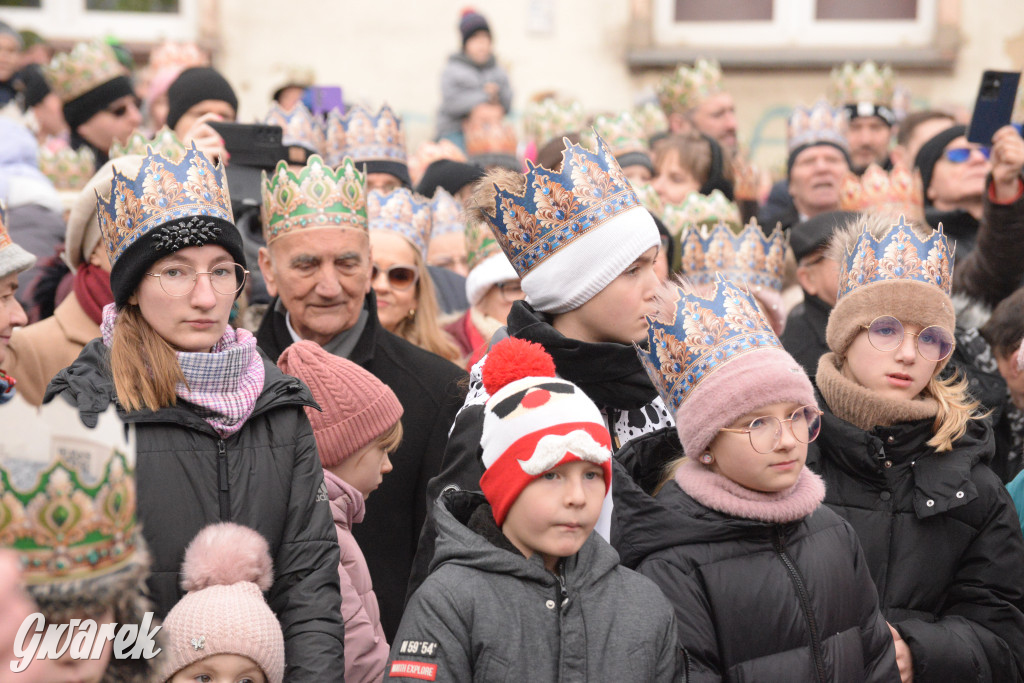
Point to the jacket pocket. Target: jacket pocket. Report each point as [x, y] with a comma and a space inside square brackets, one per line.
[492, 669]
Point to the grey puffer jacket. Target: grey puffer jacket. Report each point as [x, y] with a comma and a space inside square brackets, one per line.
[486, 613]
[266, 476]
[462, 88]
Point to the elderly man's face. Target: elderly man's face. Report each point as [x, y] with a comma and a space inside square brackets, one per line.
[816, 178]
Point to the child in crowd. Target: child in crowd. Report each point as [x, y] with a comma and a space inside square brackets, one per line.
[767, 584]
[903, 456]
[358, 428]
[520, 586]
[223, 630]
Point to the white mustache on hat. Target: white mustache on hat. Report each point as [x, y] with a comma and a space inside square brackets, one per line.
[553, 447]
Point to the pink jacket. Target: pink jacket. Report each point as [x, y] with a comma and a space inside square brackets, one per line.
[366, 648]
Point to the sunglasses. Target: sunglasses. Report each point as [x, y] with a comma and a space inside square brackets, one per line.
[960, 155]
[886, 333]
[122, 109]
[399, 277]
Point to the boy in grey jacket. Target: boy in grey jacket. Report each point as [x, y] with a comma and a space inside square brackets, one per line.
[520, 586]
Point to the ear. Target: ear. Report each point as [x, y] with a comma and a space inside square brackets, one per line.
[267, 268]
[807, 282]
[369, 268]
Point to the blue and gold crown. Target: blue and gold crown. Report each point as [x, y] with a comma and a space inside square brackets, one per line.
[558, 208]
[299, 127]
[446, 214]
[365, 136]
[817, 124]
[695, 333]
[401, 211]
[747, 257]
[898, 255]
[161, 192]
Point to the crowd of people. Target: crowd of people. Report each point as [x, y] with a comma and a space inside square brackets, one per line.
[591, 398]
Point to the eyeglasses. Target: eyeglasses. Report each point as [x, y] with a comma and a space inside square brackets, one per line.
[399, 277]
[511, 290]
[959, 155]
[934, 343]
[179, 279]
[765, 433]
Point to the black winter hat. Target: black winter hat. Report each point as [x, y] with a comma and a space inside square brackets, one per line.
[796, 152]
[931, 152]
[196, 85]
[84, 107]
[471, 22]
[814, 233]
[32, 84]
[451, 175]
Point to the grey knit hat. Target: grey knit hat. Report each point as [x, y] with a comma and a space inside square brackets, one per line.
[13, 259]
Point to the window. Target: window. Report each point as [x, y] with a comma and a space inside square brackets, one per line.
[128, 20]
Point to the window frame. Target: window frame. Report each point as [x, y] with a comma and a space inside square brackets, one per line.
[69, 19]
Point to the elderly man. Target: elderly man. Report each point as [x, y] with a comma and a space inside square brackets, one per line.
[865, 92]
[317, 267]
[693, 99]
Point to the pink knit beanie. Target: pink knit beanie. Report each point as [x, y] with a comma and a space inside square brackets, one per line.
[357, 407]
[227, 567]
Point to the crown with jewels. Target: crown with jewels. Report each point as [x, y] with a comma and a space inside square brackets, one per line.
[87, 66]
[701, 209]
[623, 133]
[67, 494]
[446, 214]
[898, 255]
[817, 124]
[896, 192]
[163, 191]
[867, 83]
[696, 333]
[299, 127]
[69, 170]
[364, 136]
[552, 117]
[401, 211]
[316, 197]
[748, 257]
[651, 118]
[557, 208]
[686, 87]
[649, 197]
[480, 243]
[171, 54]
[165, 143]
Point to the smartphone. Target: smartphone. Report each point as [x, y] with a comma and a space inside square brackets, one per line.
[994, 106]
[254, 148]
[321, 99]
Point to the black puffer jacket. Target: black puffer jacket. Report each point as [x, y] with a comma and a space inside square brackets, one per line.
[266, 476]
[754, 601]
[942, 541]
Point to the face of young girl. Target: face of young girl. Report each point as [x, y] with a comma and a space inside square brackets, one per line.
[736, 459]
[222, 668]
[900, 374]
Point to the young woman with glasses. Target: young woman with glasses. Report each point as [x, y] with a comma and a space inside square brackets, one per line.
[903, 451]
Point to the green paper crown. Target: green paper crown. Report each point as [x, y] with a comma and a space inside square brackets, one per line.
[316, 198]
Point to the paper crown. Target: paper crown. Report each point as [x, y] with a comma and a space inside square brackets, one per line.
[701, 209]
[867, 84]
[491, 144]
[67, 494]
[165, 143]
[651, 118]
[551, 118]
[446, 214]
[67, 169]
[299, 127]
[480, 244]
[314, 198]
[897, 192]
[623, 133]
[558, 208]
[898, 255]
[686, 87]
[163, 191]
[364, 136]
[87, 66]
[649, 197]
[700, 332]
[181, 55]
[401, 211]
[748, 257]
[817, 124]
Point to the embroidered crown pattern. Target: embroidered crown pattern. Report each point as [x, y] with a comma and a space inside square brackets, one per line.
[364, 136]
[623, 133]
[695, 333]
[165, 143]
[163, 191]
[298, 126]
[867, 83]
[747, 257]
[898, 192]
[87, 66]
[899, 255]
[701, 209]
[401, 211]
[316, 197]
[820, 123]
[558, 208]
[446, 214]
[684, 88]
[480, 244]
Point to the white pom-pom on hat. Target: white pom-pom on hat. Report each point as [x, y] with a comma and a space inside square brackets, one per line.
[225, 554]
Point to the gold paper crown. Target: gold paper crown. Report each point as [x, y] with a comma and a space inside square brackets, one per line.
[298, 127]
[313, 199]
[867, 83]
[67, 169]
[651, 118]
[165, 143]
[490, 138]
[895, 193]
[87, 66]
[181, 55]
[550, 118]
[747, 257]
[480, 243]
[623, 133]
[446, 214]
[686, 87]
[701, 209]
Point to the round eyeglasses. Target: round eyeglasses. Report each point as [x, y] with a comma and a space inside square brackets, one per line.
[398, 277]
[179, 279]
[765, 433]
[886, 333]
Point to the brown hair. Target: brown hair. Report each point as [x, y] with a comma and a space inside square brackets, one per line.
[423, 328]
[144, 366]
[1004, 329]
[692, 151]
[389, 440]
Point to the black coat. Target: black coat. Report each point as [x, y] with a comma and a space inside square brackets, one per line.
[266, 476]
[754, 601]
[942, 541]
[430, 390]
[804, 336]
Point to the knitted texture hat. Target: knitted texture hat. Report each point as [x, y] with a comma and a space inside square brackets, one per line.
[227, 567]
[533, 422]
[471, 22]
[195, 85]
[356, 406]
[13, 259]
[87, 80]
[931, 152]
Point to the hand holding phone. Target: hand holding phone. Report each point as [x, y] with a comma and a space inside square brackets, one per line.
[1007, 161]
[994, 105]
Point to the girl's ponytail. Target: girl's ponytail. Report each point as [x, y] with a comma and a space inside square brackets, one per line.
[956, 408]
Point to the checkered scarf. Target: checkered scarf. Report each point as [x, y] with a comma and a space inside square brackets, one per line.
[222, 384]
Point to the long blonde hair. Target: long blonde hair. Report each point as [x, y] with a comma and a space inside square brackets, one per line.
[143, 365]
[423, 328]
[956, 409]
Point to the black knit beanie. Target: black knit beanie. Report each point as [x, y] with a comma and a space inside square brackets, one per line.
[87, 105]
[635, 159]
[196, 85]
[32, 84]
[796, 152]
[931, 152]
[814, 233]
[451, 175]
[471, 22]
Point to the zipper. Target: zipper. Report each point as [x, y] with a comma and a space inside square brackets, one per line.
[223, 492]
[805, 604]
[563, 592]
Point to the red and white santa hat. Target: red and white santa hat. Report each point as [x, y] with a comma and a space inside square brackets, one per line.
[534, 422]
